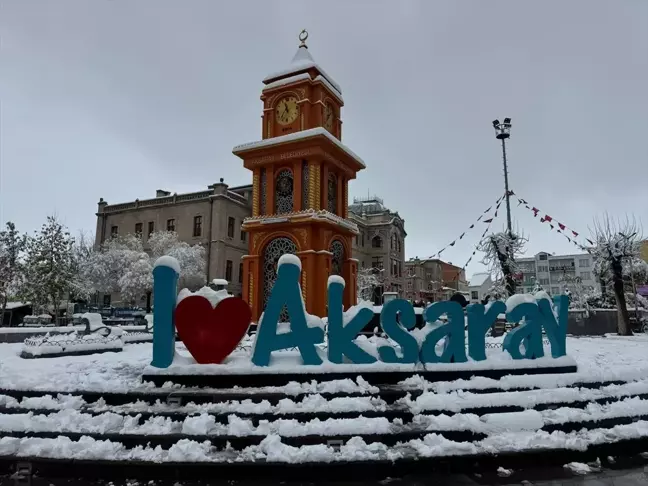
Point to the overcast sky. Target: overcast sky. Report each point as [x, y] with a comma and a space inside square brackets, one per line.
[117, 98]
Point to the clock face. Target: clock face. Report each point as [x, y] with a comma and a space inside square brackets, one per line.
[287, 110]
[329, 117]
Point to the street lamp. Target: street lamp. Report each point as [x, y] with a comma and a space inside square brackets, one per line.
[502, 132]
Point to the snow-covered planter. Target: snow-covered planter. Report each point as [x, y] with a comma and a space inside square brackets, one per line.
[71, 344]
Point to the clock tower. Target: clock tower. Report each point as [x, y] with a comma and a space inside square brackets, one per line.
[301, 171]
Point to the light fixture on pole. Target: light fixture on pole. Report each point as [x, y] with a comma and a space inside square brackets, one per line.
[502, 132]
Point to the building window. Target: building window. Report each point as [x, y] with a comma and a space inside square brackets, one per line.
[197, 228]
[544, 281]
[114, 231]
[583, 262]
[138, 229]
[377, 262]
[543, 268]
[243, 236]
[284, 192]
[332, 193]
[585, 276]
[230, 227]
[304, 184]
[264, 185]
[362, 239]
[106, 300]
[542, 257]
[228, 270]
[376, 242]
[171, 225]
[151, 228]
[474, 295]
[241, 272]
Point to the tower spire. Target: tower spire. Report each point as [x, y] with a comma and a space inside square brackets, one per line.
[303, 35]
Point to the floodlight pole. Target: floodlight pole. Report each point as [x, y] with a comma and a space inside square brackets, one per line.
[502, 132]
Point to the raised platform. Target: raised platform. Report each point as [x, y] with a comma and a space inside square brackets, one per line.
[226, 376]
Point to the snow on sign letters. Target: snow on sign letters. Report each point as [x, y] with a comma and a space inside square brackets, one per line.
[211, 333]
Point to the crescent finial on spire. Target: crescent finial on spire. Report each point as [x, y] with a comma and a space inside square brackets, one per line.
[303, 35]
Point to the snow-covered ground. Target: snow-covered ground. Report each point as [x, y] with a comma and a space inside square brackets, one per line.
[598, 358]
[437, 409]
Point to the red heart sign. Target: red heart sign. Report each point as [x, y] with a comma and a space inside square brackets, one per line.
[211, 333]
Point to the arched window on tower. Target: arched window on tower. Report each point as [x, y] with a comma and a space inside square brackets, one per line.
[271, 254]
[376, 242]
[284, 192]
[332, 193]
[337, 259]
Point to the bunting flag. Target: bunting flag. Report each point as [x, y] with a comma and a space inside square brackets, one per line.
[563, 228]
[497, 203]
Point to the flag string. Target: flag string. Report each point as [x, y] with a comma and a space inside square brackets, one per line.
[483, 235]
[567, 232]
[488, 221]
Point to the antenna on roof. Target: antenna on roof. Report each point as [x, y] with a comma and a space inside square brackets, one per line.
[303, 35]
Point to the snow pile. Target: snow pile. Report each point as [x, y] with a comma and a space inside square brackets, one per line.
[69, 343]
[213, 296]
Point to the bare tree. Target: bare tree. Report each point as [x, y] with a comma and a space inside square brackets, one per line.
[500, 250]
[615, 244]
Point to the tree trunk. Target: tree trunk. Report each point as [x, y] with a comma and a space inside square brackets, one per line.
[148, 302]
[4, 307]
[623, 317]
[508, 275]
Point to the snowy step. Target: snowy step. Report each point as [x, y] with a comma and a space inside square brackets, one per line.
[320, 406]
[272, 448]
[240, 432]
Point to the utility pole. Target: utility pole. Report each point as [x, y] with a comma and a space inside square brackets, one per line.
[502, 132]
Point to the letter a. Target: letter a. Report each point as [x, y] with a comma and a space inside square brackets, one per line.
[286, 291]
[341, 336]
[530, 332]
[454, 348]
[478, 323]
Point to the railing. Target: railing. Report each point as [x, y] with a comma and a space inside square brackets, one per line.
[367, 199]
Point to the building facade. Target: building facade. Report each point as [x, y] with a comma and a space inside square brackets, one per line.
[550, 271]
[380, 242]
[211, 218]
[478, 287]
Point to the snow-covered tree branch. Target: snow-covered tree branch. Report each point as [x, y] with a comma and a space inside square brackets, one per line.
[368, 280]
[500, 250]
[12, 246]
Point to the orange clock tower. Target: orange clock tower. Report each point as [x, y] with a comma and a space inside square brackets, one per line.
[301, 171]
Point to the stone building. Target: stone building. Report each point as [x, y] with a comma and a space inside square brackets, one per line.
[211, 218]
[432, 280]
[380, 242]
